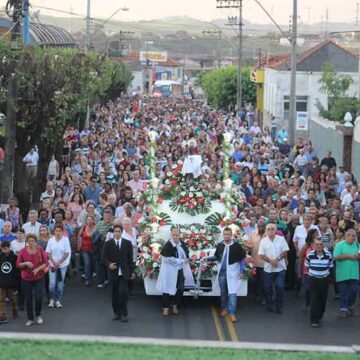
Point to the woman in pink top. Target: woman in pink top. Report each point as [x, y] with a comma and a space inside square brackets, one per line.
[33, 264]
[312, 235]
[76, 206]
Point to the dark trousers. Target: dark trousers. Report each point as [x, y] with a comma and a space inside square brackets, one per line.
[259, 284]
[29, 287]
[167, 299]
[274, 280]
[119, 294]
[318, 290]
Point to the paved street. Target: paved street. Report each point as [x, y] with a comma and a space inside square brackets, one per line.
[88, 311]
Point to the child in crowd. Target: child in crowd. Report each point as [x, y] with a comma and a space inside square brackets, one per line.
[9, 280]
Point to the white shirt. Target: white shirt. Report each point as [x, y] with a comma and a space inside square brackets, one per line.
[57, 249]
[272, 249]
[32, 229]
[347, 200]
[118, 244]
[16, 246]
[31, 159]
[300, 235]
[133, 241]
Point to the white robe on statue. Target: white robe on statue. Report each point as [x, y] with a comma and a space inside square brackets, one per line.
[168, 275]
[192, 165]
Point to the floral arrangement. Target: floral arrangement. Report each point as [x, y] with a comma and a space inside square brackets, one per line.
[250, 270]
[152, 221]
[193, 196]
[173, 179]
[197, 237]
[199, 263]
[149, 259]
[232, 199]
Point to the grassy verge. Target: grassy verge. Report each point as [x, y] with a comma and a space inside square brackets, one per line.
[39, 350]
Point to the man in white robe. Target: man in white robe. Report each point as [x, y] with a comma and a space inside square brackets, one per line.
[175, 273]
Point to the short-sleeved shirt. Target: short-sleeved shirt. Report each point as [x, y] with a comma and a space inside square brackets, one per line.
[57, 248]
[346, 269]
[272, 249]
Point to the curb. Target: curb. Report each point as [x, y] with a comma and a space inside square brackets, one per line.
[355, 349]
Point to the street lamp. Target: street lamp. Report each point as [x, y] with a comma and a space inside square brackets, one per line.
[348, 118]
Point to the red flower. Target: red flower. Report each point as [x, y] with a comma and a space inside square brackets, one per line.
[191, 206]
[162, 223]
[175, 172]
[202, 254]
[182, 200]
[173, 182]
[156, 256]
[166, 188]
[153, 219]
[191, 243]
[194, 257]
[148, 272]
[160, 200]
[222, 200]
[200, 200]
[222, 223]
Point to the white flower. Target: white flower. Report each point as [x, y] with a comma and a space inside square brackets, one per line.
[155, 264]
[191, 194]
[145, 249]
[146, 256]
[192, 188]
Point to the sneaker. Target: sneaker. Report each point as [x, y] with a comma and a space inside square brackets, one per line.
[94, 275]
[83, 276]
[101, 286]
[51, 303]
[58, 305]
[87, 283]
[315, 325]
[29, 323]
[106, 282]
[39, 320]
[165, 312]
[343, 314]
[175, 310]
[223, 313]
[3, 320]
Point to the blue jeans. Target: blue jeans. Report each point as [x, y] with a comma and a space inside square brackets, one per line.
[274, 280]
[228, 301]
[88, 264]
[56, 286]
[347, 290]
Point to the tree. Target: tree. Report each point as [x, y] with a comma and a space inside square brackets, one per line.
[336, 87]
[220, 87]
[55, 87]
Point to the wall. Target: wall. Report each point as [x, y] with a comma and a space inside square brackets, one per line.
[356, 152]
[277, 85]
[324, 137]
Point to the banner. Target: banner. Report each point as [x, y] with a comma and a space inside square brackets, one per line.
[153, 56]
[302, 120]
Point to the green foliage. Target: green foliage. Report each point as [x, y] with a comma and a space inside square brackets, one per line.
[220, 87]
[336, 87]
[56, 85]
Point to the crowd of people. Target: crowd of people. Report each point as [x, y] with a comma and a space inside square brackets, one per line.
[303, 210]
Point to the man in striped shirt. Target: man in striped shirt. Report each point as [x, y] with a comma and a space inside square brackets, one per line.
[319, 262]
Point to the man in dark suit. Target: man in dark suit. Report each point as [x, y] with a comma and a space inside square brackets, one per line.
[118, 255]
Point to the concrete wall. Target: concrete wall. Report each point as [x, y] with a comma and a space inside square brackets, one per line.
[356, 151]
[324, 137]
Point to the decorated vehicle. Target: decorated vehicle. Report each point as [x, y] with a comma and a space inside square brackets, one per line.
[201, 213]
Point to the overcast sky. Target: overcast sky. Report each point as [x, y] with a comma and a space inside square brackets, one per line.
[338, 10]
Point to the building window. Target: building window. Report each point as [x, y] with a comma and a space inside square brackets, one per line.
[301, 105]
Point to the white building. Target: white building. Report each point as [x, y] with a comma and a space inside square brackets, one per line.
[309, 70]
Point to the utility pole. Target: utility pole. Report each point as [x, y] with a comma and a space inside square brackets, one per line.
[236, 4]
[292, 120]
[15, 11]
[125, 36]
[326, 22]
[219, 34]
[26, 22]
[88, 27]
[357, 14]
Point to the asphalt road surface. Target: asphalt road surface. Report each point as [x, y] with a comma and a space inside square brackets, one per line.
[87, 311]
